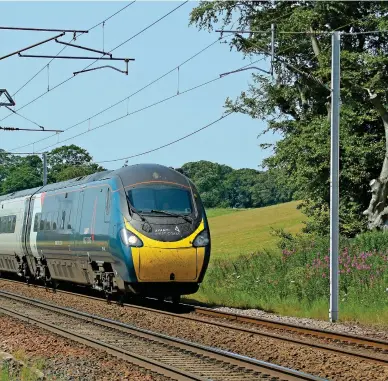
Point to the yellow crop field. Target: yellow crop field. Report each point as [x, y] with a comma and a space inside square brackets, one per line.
[248, 230]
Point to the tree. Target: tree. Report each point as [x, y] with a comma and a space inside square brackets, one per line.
[64, 163]
[68, 162]
[22, 177]
[18, 173]
[223, 186]
[209, 178]
[296, 103]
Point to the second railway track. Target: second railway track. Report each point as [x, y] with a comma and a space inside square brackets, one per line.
[172, 357]
[362, 348]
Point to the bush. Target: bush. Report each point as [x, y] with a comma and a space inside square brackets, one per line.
[296, 277]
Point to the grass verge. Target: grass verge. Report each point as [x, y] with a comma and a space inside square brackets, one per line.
[21, 368]
[295, 281]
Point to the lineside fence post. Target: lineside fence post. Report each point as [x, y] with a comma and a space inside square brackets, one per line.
[334, 176]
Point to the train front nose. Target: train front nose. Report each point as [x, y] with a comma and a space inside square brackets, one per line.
[155, 264]
[176, 261]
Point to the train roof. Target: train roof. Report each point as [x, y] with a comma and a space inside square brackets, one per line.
[130, 174]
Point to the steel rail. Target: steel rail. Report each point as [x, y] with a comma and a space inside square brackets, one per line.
[267, 323]
[319, 332]
[244, 366]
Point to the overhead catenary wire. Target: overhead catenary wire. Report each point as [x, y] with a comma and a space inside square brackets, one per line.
[73, 39]
[20, 153]
[140, 109]
[202, 128]
[26, 129]
[170, 143]
[299, 69]
[48, 65]
[134, 112]
[281, 60]
[306, 32]
[127, 98]
[24, 117]
[121, 44]
[143, 108]
[132, 94]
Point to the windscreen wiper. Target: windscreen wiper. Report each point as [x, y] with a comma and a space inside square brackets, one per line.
[187, 218]
[146, 225]
[134, 210]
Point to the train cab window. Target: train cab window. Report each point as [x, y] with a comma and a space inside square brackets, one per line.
[166, 198]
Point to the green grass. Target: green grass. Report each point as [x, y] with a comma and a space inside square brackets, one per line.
[216, 212]
[248, 269]
[24, 373]
[241, 231]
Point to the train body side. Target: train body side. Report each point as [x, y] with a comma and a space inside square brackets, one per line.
[71, 232]
[11, 230]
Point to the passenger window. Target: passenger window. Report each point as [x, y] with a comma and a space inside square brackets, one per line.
[68, 220]
[36, 222]
[47, 224]
[13, 224]
[63, 219]
[55, 218]
[7, 224]
[41, 223]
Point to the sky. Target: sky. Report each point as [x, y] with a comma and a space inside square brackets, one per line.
[232, 141]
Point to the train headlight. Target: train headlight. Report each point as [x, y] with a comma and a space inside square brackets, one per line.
[202, 239]
[130, 239]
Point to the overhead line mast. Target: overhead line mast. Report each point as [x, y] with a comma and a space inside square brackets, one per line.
[334, 149]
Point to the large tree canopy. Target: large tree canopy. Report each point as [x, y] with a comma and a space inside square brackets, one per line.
[219, 185]
[68, 162]
[296, 102]
[64, 163]
[17, 173]
[223, 186]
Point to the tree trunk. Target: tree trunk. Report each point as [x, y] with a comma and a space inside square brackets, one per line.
[377, 212]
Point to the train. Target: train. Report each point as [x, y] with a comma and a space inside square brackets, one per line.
[138, 230]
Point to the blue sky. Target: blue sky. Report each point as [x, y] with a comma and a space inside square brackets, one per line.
[232, 141]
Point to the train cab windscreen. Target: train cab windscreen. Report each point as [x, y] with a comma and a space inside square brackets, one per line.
[161, 198]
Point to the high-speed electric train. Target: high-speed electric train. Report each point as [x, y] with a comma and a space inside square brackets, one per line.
[141, 229]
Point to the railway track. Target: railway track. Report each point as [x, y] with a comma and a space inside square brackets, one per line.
[363, 348]
[175, 358]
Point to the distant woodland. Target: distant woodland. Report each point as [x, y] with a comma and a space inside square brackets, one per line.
[219, 185]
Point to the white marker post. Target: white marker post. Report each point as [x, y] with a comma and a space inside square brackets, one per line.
[334, 176]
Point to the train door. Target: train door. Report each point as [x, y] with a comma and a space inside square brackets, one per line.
[93, 225]
[36, 213]
[82, 260]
